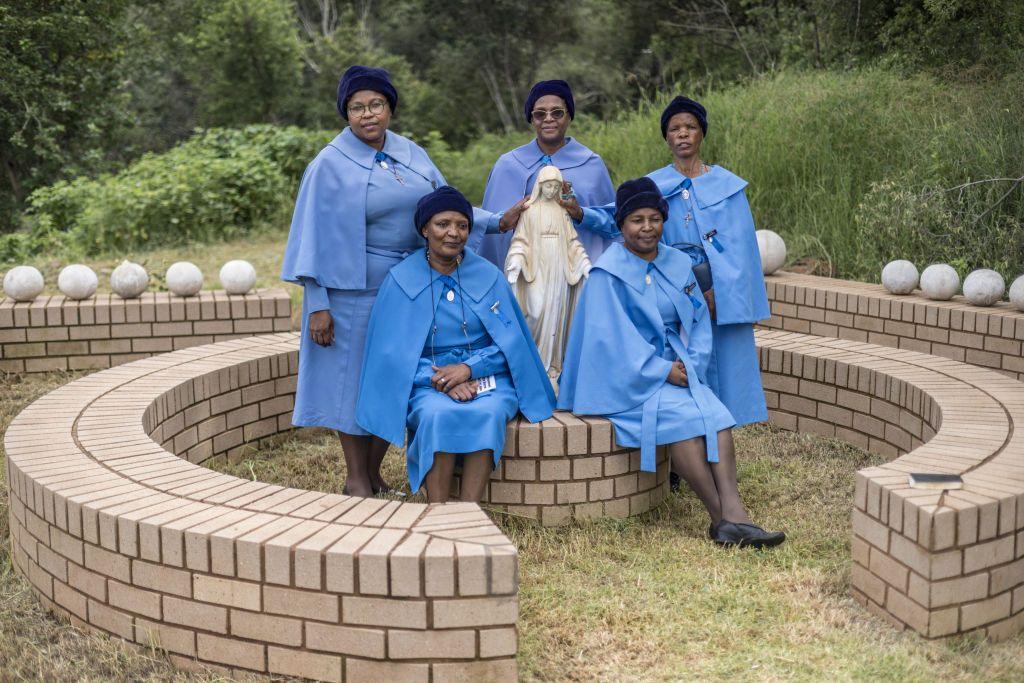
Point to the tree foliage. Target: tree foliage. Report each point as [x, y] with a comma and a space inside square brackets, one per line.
[58, 91]
[90, 85]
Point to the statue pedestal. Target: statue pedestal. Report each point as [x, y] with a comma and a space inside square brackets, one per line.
[570, 467]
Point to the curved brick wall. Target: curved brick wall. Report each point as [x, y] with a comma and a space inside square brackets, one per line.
[122, 536]
[989, 337]
[570, 467]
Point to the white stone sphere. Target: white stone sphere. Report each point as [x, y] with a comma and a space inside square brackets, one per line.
[940, 282]
[129, 280]
[77, 281]
[23, 283]
[900, 277]
[984, 287]
[184, 278]
[772, 249]
[237, 277]
[1017, 293]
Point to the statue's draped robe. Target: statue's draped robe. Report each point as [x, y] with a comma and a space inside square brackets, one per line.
[553, 264]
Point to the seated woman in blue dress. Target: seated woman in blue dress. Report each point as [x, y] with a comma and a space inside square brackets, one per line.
[638, 354]
[448, 357]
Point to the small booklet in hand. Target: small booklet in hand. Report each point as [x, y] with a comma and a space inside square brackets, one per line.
[929, 480]
[485, 384]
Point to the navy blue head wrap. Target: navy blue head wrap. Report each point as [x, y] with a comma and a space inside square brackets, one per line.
[641, 193]
[684, 104]
[358, 78]
[559, 88]
[444, 198]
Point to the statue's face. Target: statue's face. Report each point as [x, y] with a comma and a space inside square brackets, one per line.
[550, 188]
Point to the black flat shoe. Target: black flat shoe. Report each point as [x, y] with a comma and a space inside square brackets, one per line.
[727, 533]
[673, 482]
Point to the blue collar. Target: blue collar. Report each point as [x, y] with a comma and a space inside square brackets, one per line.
[708, 189]
[626, 266]
[570, 155]
[414, 274]
[395, 146]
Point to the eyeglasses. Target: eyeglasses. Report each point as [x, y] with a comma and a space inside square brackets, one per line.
[357, 110]
[541, 114]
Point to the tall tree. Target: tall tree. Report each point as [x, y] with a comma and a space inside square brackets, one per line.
[57, 90]
[246, 61]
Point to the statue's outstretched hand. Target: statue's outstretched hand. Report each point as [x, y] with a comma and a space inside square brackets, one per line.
[569, 202]
[510, 219]
[513, 274]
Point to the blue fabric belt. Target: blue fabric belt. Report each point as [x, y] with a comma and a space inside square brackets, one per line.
[649, 418]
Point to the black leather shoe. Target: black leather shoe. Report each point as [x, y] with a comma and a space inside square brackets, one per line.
[727, 533]
[673, 482]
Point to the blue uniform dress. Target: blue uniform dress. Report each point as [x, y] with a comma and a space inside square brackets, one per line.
[709, 219]
[390, 236]
[514, 174]
[682, 412]
[634, 318]
[353, 222]
[438, 423]
[396, 401]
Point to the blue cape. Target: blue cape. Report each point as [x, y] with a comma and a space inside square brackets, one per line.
[398, 329]
[327, 240]
[721, 205]
[613, 361]
[514, 174]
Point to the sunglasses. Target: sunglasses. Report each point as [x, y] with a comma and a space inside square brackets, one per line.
[539, 115]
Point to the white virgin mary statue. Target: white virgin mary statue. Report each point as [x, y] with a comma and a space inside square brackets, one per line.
[546, 266]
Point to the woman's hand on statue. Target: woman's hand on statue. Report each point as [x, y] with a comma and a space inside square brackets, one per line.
[463, 392]
[448, 376]
[709, 297]
[571, 205]
[321, 327]
[677, 375]
[510, 219]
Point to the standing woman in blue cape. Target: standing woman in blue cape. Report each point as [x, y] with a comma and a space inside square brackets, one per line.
[352, 224]
[549, 109]
[444, 319]
[709, 220]
[638, 354]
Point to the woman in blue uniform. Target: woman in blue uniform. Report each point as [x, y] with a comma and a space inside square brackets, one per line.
[550, 108]
[710, 221]
[352, 224]
[449, 357]
[638, 354]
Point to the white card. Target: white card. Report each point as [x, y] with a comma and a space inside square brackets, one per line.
[485, 384]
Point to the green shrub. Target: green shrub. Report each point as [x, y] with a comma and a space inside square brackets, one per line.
[217, 185]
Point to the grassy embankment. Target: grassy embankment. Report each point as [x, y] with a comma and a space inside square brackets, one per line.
[853, 169]
[641, 599]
